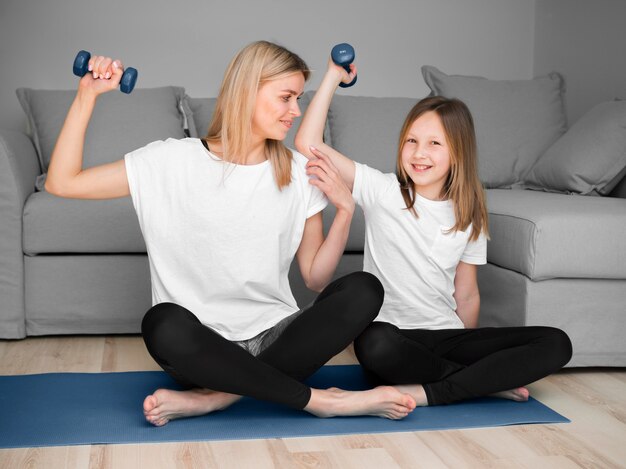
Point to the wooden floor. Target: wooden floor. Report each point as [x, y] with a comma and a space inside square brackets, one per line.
[594, 399]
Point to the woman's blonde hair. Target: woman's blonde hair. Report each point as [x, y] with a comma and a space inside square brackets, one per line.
[231, 125]
[462, 186]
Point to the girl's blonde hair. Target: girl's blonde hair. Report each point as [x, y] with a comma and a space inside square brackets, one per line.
[231, 125]
[462, 186]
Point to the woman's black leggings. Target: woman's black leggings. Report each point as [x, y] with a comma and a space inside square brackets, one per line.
[197, 356]
[456, 364]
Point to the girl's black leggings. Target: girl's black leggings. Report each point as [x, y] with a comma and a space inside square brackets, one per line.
[197, 356]
[456, 364]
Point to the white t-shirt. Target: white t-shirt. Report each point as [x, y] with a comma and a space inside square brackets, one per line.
[220, 237]
[413, 257]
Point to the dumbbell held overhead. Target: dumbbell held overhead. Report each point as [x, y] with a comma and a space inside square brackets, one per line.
[343, 55]
[129, 77]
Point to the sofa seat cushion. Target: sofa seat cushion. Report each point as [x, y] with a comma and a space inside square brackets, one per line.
[57, 225]
[544, 235]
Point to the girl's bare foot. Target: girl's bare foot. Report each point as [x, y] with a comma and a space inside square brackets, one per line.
[165, 404]
[383, 401]
[416, 391]
[518, 394]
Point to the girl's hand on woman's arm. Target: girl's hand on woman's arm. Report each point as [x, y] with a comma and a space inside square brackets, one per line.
[326, 178]
[318, 257]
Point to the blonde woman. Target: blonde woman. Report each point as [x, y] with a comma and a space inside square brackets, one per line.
[223, 217]
[426, 231]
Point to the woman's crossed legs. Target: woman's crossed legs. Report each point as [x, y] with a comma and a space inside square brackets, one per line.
[218, 372]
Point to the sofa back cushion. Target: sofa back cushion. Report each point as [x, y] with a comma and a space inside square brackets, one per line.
[515, 120]
[120, 122]
[367, 130]
[590, 159]
[202, 112]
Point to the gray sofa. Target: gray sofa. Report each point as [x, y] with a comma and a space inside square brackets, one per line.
[557, 254]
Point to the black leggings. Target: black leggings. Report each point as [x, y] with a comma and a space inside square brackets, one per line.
[456, 364]
[197, 356]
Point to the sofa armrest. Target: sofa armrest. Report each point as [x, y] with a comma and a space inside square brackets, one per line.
[620, 189]
[19, 167]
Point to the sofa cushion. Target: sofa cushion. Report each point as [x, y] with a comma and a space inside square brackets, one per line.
[546, 235]
[515, 120]
[590, 158]
[57, 225]
[367, 130]
[120, 122]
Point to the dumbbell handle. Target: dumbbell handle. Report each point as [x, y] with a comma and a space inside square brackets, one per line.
[81, 67]
[343, 55]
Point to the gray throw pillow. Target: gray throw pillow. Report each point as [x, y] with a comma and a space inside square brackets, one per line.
[590, 158]
[120, 122]
[515, 121]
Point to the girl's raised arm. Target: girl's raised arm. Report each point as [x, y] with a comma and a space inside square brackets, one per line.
[309, 139]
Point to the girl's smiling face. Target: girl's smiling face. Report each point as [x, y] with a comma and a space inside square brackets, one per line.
[426, 155]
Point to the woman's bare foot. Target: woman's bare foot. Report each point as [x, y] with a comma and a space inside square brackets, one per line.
[382, 401]
[518, 394]
[165, 404]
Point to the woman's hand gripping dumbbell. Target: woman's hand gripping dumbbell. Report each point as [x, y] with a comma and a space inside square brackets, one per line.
[343, 55]
[109, 73]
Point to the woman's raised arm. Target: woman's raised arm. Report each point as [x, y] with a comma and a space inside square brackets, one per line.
[66, 177]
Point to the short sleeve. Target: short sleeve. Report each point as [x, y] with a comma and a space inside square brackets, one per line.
[317, 202]
[315, 199]
[144, 169]
[476, 251]
[371, 184]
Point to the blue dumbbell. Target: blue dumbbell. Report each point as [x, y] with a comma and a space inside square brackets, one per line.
[129, 77]
[343, 55]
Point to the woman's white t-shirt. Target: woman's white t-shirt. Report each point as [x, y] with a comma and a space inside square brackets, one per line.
[220, 237]
[414, 258]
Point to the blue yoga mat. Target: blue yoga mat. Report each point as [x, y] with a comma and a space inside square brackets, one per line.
[61, 409]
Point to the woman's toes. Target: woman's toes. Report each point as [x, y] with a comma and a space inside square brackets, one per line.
[149, 403]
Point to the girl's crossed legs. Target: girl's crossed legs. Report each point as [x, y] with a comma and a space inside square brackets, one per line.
[219, 372]
[444, 366]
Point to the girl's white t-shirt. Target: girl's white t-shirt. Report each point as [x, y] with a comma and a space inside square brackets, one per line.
[413, 257]
[220, 237]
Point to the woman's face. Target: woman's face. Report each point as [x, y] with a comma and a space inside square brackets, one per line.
[277, 106]
[426, 155]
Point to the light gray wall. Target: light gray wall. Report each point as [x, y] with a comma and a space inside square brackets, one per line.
[585, 40]
[190, 42]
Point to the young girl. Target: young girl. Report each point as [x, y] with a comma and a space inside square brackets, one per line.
[426, 231]
[222, 218]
